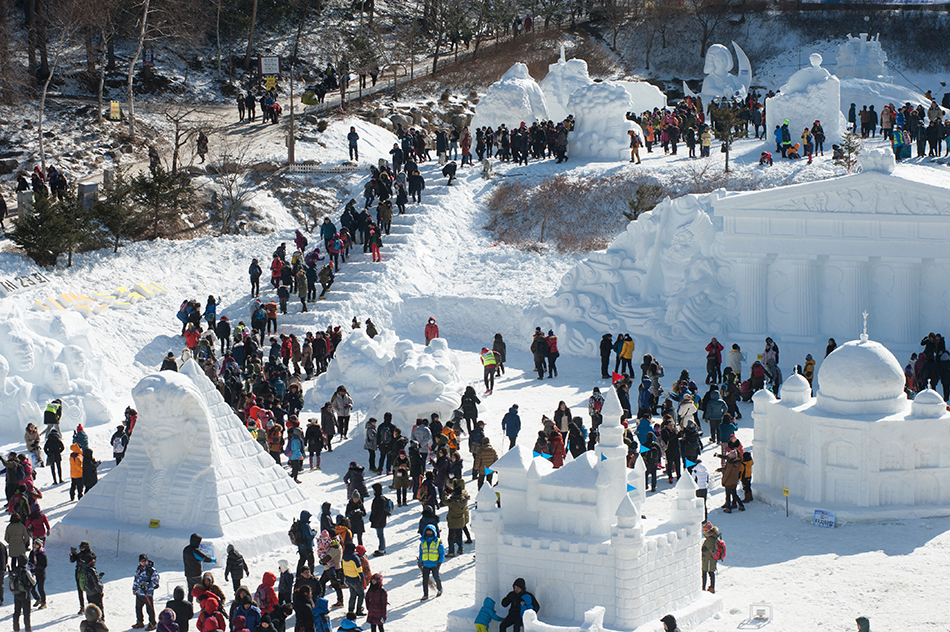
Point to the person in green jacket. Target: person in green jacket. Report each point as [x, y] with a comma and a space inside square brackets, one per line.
[457, 517]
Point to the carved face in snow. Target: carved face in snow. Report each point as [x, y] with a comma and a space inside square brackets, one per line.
[57, 378]
[718, 61]
[170, 412]
[74, 358]
[19, 350]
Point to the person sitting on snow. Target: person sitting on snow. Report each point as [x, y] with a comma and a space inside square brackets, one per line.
[765, 159]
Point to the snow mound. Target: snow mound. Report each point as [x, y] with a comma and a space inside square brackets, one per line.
[601, 128]
[515, 97]
[877, 160]
[387, 374]
[562, 80]
[48, 355]
[879, 93]
[332, 147]
[192, 466]
[810, 94]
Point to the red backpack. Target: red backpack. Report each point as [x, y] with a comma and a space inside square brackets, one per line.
[720, 551]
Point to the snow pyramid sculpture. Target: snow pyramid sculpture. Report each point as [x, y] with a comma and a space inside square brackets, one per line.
[555, 525]
[43, 356]
[601, 126]
[399, 376]
[563, 78]
[861, 448]
[192, 467]
[515, 98]
[810, 94]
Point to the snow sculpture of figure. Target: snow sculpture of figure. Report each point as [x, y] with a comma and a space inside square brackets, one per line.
[15, 392]
[665, 276]
[862, 58]
[190, 466]
[562, 80]
[419, 381]
[514, 98]
[810, 94]
[718, 82]
[601, 126]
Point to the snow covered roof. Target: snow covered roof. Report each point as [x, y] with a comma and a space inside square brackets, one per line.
[516, 459]
[581, 473]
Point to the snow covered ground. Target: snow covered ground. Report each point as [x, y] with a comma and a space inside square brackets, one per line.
[439, 262]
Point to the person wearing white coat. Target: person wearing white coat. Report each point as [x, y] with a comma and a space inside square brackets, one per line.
[735, 359]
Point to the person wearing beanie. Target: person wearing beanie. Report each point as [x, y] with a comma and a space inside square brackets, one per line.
[144, 583]
[238, 624]
[210, 619]
[517, 601]
[182, 608]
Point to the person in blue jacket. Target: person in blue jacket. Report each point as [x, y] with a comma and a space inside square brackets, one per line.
[778, 139]
[255, 272]
[327, 231]
[486, 615]
[644, 427]
[431, 556]
[517, 601]
[321, 616]
[511, 424]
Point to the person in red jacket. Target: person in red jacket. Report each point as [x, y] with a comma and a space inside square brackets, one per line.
[553, 353]
[714, 362]
[377, 600]
[265, 596]
[191, 338]
[211, 619]
[431, 331]
[558, 453]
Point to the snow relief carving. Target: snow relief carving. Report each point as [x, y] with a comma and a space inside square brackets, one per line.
[718, 82]
[601, 127]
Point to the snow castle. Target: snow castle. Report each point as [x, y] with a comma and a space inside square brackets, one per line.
[190, 466]
[860, 448]
[575, 535]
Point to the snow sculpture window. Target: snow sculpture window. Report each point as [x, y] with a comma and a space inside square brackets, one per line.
[891, 492]
[927, 491]
[892, 458]
[926, 456]
[841, 454]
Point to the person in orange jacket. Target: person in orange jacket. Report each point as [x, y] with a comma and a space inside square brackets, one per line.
[75, 471]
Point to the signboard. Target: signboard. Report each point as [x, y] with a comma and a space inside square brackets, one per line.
[269, 65]
[148, 59]
[271, 82]
[785, 492]
[115, 112]
[13, 284]
[154, 524]
[89, 194]
[824, 519]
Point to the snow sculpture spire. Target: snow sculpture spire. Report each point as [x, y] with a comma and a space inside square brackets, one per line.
[864, 334]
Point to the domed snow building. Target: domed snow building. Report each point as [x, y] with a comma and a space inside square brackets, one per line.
[860, 448]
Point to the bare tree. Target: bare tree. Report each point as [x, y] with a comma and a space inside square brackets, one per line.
[67, 23]
[250, 36]
[233, 179]
[708, 15]
[177, 115]
[146, 4]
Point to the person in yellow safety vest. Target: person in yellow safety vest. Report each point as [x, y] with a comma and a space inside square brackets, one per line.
[490, 362]
[431, 556]
[53, 413]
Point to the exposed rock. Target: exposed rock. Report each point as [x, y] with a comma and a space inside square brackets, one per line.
[8, 165]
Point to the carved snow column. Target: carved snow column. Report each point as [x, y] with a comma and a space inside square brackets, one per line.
[631, 584]
[805, 293]
[904, 298]
[854, 283]
[762, 438]
[487, 525]
[751, 284]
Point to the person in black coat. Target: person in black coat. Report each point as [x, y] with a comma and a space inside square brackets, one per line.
[236, 567]
[606, 346]
[326, 519]
[449, 171]
[193, 559]
[377, 518]
[513, 601]
[223, 331]
[90, 470]
[183, 610]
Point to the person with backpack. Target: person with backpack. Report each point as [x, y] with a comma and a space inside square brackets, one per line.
[369, 444]
[715, 412]
[88, 580]
[302, 534]
[265, 596]
[21, 584]
[236, 567]
[144, 583]
[713, 550]
[119, 441]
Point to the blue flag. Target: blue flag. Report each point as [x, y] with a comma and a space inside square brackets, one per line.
[603, 457]
[630, 487]
[535, 454]
[488, 471]
[548, 456]
[643, 449]
[689, 463]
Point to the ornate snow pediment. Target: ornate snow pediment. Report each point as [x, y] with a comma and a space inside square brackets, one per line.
[869, 193]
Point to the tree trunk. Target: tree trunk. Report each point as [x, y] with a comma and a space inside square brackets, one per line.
[110, 50]
[90, 55]
[30, 9]
[435, 56]
[217, 36]
[4, 44]
[132, 62]
[102, 73]
[41, 23]
[250, 37]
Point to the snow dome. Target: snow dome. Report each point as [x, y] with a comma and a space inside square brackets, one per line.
[861, 377]
[928, 405]
[515, 97]
[796, 390]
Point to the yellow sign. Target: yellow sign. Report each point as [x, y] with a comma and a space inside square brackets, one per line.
[153, 524]
[115, 112]
[271, 82]
[785, 492]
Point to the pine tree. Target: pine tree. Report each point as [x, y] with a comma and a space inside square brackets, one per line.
[724, 121]
[114, 213]
[850, 147]
[161, 197]
[52, 228]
